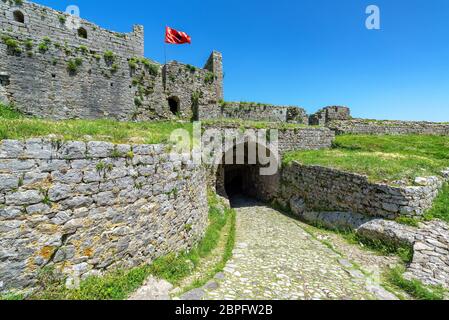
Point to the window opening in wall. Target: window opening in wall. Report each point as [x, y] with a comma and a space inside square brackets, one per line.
[18, 16]
[82, 33]
[173, 103]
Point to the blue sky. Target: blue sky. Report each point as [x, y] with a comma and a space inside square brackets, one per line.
[310, 53]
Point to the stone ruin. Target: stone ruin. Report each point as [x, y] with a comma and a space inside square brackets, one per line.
[55, 66]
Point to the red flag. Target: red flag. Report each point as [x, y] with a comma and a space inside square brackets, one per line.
[176, 37]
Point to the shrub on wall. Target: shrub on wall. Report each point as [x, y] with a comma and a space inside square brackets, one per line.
[74, 64]
[109, 57]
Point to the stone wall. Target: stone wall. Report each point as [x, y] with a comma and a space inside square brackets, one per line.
[328, 114]
[290, 139]
[40, 22]
[264, 187]
[191, 87]
[377, 127]
[257, 112]
[325, 189]
[85, 208]
[48, 70]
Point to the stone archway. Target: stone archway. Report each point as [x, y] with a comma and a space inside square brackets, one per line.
[245, 178]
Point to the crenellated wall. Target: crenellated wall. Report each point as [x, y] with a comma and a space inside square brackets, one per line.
[47, 69]
[84, 208]
[40, 22]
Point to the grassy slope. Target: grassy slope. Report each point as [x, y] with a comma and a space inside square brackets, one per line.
[382, 158]
[14, 126]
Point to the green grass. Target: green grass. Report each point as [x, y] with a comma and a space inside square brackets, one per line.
[440, 209]
[381, 158]
[11, 297]
[113, 286]
[174, 268]
[13, 125]
[118, 285]
[9, 112]
[402, 251]
[414, 288]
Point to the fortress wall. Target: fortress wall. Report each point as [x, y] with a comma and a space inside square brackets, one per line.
[258, 112]
[42, 22]
[289, 139]
[41, 85]
[35, 74]
[314, 188]
[377, 127]
[84, 208]
[193, 87]
[328, 114]
[265, 187]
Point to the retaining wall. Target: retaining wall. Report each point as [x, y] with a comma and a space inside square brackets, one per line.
[84, 208]
[326, 189]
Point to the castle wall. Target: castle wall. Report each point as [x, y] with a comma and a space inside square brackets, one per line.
[215, 65]
[43, 22]
[194, 88]
[48, 70]
[256, 112]
[328, 114]
[265, 187]
[376, 127]
[320, 189]
[84, 208]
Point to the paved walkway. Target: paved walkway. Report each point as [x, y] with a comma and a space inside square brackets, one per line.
[275, 258]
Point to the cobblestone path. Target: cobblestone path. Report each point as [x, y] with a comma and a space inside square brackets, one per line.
[276, 259]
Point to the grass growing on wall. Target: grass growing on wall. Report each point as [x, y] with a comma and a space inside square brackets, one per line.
[175, 268]
[414, 288]
[256, 124]
[382, 158]
[440, 209]
[8, 112]
[14, 125]
[120, 284]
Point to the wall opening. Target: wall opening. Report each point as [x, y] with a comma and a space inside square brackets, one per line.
[19, 16]
[4, 80]
[236, 181]
[174, 105]
[82, 33]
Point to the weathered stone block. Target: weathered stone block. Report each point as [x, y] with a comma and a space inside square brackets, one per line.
[10, 149]
[60, 192]
[8, 182]
[72, 150]
[97, 149]
[23, 198]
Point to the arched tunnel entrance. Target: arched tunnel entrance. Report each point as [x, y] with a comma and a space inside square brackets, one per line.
[244, 175]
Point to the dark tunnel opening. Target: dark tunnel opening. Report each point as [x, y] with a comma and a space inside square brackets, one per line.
[237, 181]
